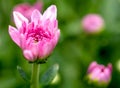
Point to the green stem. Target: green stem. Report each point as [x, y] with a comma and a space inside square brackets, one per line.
[35, 76]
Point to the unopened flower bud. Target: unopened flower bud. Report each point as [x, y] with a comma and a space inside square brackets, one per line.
[92, 23]
[99, 74]
[26, 9]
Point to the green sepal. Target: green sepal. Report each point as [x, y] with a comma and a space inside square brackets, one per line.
[23, 74]
[49, 75]
[95, 83]
[39, 61]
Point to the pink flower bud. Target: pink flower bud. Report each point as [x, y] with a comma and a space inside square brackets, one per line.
[99, 74]
[38, 37]
[26, 9]
[92, 23]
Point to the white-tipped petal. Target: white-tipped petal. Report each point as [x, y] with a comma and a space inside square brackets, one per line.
[19, 19]
[36, 16]
[50, 13]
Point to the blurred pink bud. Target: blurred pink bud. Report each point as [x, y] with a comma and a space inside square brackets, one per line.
[38, 37]
[26, 9]
[99, 73]
[92, 23]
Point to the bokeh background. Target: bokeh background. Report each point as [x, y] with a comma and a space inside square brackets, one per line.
[76, 49]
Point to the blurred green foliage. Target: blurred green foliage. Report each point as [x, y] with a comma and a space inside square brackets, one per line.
[75, 50]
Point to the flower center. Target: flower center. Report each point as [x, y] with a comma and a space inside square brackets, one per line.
[102, 70]
[39, 34]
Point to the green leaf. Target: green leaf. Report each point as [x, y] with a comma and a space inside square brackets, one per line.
[22, 74]
[49, 75]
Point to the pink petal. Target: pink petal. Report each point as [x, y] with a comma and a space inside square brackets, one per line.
[28, 55]
[92, 66]
[56, 37]
[102, 77]
[50, 13]
[41, 49]
[107, 73]
[19, 19]
[35, 49]
[55, 24]
[95, 73]
[36, 16]
[14, 35]
[22, 41]
[45, 48]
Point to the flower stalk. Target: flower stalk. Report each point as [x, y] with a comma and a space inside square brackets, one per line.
[35, 76]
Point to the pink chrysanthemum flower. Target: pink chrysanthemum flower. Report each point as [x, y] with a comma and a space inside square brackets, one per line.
[92, 23]
[38, 37]
[99, 73]
[26, 9]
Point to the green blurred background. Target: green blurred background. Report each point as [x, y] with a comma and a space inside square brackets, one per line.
[75, 50]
